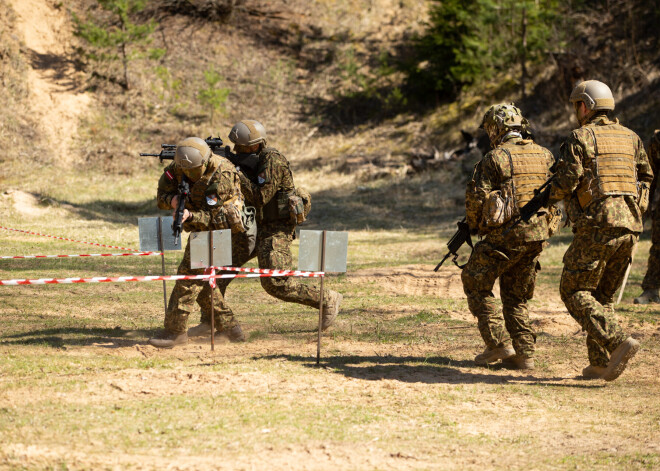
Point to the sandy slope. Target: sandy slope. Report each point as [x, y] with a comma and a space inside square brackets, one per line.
[55, 97]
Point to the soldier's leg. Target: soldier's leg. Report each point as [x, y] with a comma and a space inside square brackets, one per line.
[224, 316]
[516, 289]
[183, 296]
[584, 265]
[274, 252]
[478, 276]
[652, 277]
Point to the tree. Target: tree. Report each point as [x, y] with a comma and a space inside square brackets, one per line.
[212, 96]
[114, 37]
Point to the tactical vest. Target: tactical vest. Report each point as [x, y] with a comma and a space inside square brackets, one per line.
[529, 169]
[613, 170]
[197, 198]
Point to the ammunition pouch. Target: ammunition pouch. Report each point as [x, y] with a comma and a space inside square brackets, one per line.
[300, 204]
[277, 209]
[233, 211]
[553, 217]
[644, 194]
[497, 210]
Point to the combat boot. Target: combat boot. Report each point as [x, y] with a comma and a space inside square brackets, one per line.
[593, 372]
[331, 309]
[235, 334]
[519, 362]
[620, 358]
[648, 296]
[168, 339]
[491, 355]
[200, 330]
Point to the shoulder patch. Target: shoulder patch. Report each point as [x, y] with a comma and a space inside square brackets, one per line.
[169, 175]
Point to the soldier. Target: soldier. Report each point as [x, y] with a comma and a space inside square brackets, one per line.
[603, 176]
[651, 282]
[502, 182]
[267, 184]
[215, 203]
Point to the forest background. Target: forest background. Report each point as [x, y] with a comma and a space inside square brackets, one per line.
[376, 103]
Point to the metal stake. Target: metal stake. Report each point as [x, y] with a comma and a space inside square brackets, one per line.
[212, 292]
[162, 259]
[318, 345]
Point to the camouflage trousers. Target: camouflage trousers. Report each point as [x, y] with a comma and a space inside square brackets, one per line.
[594, 266]
[516, 268]
[273, 250]
[186, 292]
[652, 277]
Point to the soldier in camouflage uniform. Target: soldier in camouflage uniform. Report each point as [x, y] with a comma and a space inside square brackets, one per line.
[651, 282]
[603, 175]
[502, 182]
[215, 199]
[270, 188]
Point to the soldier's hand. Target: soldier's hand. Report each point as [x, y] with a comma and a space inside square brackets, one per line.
[174, 202]
[186, 215]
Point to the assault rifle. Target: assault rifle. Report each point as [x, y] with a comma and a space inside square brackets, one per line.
[461, 236]
[167, 153]
[533, 206]
[177, 222]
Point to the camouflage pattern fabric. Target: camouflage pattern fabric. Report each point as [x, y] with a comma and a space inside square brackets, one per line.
[218, 184]
[274, 238]
[513, 258]
[594, 266]
[652, 277]
[606, 232]
[576, 159]
[494, 173]
[184, 295]
[516, 267]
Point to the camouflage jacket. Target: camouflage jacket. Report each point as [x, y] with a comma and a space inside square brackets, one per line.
[578, 153]
[274, 182]
[492, 173]
[219, 184]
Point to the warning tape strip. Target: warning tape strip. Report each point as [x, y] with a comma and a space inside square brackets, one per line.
[263, 270]
[70, 240]
[123, 279]
[133, 254]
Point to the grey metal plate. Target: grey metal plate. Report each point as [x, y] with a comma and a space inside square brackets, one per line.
[336, 251]
[200, 256]
[148, 228]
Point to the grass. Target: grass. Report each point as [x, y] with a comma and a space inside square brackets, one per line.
[397, 388]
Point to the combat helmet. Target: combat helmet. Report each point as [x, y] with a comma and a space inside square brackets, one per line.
[192, 155]
[501, 119]
[595, 94]
[248, 133]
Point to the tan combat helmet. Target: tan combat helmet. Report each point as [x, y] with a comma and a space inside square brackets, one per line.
[192, 155]
[501, 119]
[595, 95]
[248, 133]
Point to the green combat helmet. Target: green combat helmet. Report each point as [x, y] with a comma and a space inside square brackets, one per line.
[248, 132]
[192, 155]
[501, 119]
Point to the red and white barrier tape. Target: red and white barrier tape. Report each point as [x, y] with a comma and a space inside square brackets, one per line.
[266, 271]
[134, 254]
[70, 240]
[123, 279]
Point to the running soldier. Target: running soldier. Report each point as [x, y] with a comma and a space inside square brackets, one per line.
[267, 184]
[651, 282]
[215, 202]
[603, 175]
[502, 182]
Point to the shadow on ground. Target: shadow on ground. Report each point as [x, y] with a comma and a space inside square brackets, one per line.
[76, 336]
[432, 370]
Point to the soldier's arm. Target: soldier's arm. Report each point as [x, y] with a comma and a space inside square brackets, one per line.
[167, 188]
[249, 190]
[644, 167]
[269, 179]
[568, 170]
[224, 186]
[479, 186]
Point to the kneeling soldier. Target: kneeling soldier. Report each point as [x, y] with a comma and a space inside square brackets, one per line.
[215, 203]
[502, 182]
